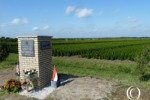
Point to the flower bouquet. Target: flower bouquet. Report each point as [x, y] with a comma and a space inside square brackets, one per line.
[30, 75]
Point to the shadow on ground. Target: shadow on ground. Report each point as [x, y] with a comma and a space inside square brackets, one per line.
[145, 77]
[65, 78]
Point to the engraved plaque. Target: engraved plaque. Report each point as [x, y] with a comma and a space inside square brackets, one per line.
[27, 48]
[45, 45]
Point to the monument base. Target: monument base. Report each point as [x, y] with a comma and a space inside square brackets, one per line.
[54, 84]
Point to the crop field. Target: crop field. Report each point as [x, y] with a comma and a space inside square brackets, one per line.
[110, 49]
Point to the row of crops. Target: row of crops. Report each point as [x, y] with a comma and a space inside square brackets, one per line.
[102, 49]
[4, 51]
[110, 49]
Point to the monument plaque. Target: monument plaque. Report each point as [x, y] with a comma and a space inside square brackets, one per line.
[27, 48]
[45, 45]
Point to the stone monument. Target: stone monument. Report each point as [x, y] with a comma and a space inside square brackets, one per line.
[35, 53]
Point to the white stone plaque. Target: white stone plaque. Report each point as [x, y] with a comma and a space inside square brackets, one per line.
[27, 48]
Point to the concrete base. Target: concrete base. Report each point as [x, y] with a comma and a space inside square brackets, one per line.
[54, 84]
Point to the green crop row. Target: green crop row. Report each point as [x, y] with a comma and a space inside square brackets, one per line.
[116, 49]
[111, 49]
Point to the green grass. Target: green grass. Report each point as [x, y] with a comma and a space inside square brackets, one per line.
[9, 62]
[122, 71]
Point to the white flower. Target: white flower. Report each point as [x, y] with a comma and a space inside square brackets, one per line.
[29, 73]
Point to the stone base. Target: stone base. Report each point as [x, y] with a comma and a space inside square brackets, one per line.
[54, 84]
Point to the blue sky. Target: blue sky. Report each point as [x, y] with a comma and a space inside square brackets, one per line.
[75, 18]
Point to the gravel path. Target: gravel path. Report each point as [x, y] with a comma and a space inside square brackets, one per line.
[84, 88]
[73, 88]
[42, 94]
[6, 75]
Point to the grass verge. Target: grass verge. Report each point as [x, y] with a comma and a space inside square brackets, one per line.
[9, 62]
[122, 71]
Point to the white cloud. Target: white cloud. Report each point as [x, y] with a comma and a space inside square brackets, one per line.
[19, 21]
[83, 12]
[79, 12]
[35, 28]
[70, 9]
[46, 27]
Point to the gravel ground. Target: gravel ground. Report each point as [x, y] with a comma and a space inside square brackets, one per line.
[6, 75]
[41, 94]
[72, 88]
[75, 89]
[83, 88]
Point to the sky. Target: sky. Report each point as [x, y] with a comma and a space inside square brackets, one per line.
[75, 18]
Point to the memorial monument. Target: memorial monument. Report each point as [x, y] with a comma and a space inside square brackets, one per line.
[35, 59]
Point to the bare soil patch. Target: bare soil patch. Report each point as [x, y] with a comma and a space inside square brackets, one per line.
[84, 88]
[6, 75]
[120, 94]
[76, 88]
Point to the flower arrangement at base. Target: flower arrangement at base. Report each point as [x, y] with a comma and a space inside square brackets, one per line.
[12, 85]
[30, 75]
[30, 86]
[27, 85]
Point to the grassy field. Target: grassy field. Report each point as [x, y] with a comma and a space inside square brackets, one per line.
[9, 62]
[123, 72]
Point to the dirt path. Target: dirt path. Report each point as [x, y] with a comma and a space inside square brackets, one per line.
[84, 88]
[6, 75]
[77, 88]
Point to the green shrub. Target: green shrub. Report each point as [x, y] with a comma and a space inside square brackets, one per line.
[143, 61]
[4, 51]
